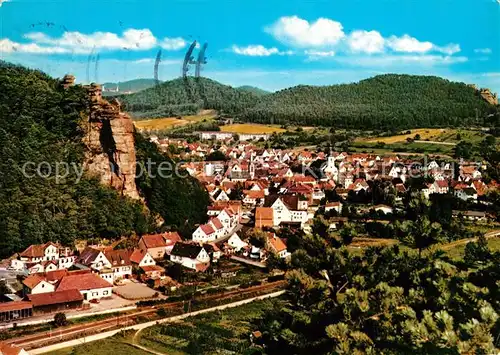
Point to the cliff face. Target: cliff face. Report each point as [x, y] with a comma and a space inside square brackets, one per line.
[109, 139]
[489, 97]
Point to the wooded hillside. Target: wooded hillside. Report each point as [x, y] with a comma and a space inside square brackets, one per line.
[187, 96]
[41, 128]
[382, 102]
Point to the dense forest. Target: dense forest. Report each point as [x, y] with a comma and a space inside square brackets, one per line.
[130, 85]
[394, 300]
[179, 199]
[40, 128]
[187, 96]
[382, 102]
[257, 91]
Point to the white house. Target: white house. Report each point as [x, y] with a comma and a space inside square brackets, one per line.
[191, 256]
[120, 263]
[40, 252]
[204, 233]
[35, 284]
[90, 285]
[330, 169]
[337, 206]
[276, 245]
[94, 259]
[383, 208]
[236, 243]
[283, 212]
[141, 258]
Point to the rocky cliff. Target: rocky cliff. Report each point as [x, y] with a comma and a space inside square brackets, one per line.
[489, 97]
[109, 139]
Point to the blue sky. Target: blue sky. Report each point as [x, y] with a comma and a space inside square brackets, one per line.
[271, 44]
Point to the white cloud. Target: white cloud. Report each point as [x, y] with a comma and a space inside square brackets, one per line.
[314, 55]
[299, 32]
[483, 50]
[8, 46]
[449, 49]
[255, 50]
[393, 60]
[131, 39]
[408, 44]
[327, 35]
[366, 41]
[173, 44]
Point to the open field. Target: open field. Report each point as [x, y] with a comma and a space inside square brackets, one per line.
[457, 251]
[431, 135]
[402, 147]
[216, 332]
[171, 122]
[116, 345]
[251, 128]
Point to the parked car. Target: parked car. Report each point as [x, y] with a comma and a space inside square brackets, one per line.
[94, 300]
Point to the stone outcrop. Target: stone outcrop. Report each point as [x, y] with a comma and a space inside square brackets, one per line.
[489, 97]
[110, 144]
[486, 94]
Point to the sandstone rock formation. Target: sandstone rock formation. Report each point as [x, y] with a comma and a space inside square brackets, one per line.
[110, 143]
[489, 97]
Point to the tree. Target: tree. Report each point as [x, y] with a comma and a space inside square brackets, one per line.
[463, 150]
[348, 233]
[422, 234]
[4, 289]
[216, 156]
[60, 319]
[477, 252]
[257, 238]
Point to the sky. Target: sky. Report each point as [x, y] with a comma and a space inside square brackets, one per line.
[271, 44]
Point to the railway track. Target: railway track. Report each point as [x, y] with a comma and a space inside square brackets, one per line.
[78, 331]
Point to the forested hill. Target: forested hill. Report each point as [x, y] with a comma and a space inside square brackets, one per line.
[385, 101]
[187, 96]
[41, 127]
[253, 89]
[130, 85]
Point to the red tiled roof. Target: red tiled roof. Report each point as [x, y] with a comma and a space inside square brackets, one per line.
[117, 257]
[151, 268]
[137, 255]
[33, 280]
[442, 183]
[154, 241]
[217, 223]
[82, 282]
[202, 266]
[36, 250]
[207, 229]
[15, 306]
[9, 349]
[264, 217]
[254, 194]
[172, 237]
[49, 298]
[55, 275]
[276, 244]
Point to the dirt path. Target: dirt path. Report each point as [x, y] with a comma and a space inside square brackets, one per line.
[451, 245]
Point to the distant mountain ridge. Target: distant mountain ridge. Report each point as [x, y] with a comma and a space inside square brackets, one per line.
[390, 101]
[134, 85]
[188, 96]
[253, 89]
